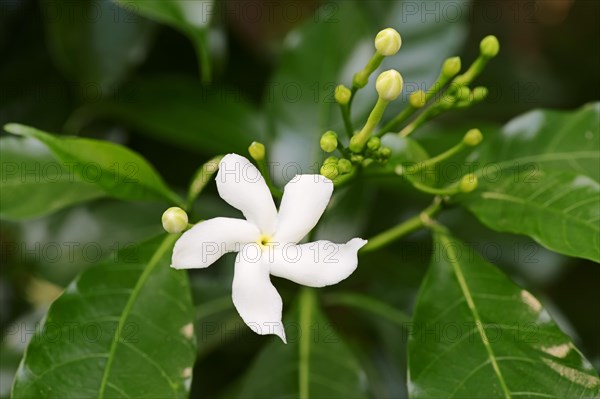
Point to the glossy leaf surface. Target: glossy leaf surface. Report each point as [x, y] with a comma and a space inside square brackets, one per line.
[121, 329]
[477, 334]
[34, 183]
[115, 169]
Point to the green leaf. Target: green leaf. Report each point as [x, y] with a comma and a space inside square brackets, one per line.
[476, 334]
[95, 42]
[34, 184]
[189, 17]
[209, 121]
[547, 140]
[539, 177]
[315, 363]
[115, 169]
[559, 210]
[121, 329]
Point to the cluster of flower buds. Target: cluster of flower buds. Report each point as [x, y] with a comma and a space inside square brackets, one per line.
[334, 167]
[364, 147]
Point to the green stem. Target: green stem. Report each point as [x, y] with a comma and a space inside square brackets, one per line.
[441, 82]
[437, 159]
[404, 228]
[361, 78]
[398, 119]
[449, 190]
[474, 70]
[201, 179]
[307, 304]
[420, 120]
[345, 109]
[359, 140]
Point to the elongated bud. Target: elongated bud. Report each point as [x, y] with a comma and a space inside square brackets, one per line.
[342, 95]
[174, 220]
[388, 42]
[257, 151]
[473, 137]
[468, 183]
[489, 46]
[417, 99]
[451, 67]
[329, 141]
[480, 93]
[374, 143]
[330, 170]
[389, 85]
[344, 166]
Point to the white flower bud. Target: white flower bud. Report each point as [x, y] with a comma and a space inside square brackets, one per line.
[389, 85]
[388, 42]
[174, 220]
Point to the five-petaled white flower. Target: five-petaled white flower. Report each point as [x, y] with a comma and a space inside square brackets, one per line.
[267, 241]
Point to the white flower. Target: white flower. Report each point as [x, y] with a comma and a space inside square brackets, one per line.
[267, 241]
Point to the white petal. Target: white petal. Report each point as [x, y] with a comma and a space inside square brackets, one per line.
[254, 297]
[304, 200]
[243, 187]
[315, 264]
[207, 241]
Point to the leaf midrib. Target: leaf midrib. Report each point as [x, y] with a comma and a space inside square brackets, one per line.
[452, 258]
[165, 244]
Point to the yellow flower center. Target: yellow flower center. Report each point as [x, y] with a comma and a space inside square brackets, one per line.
[264, 240]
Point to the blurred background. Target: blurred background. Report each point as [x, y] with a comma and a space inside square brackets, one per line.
[98, 69]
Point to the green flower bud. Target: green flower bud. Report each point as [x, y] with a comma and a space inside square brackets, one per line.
[374, 143]
[367, 162]
[451, 67]
[463, 93]
[342, 95]
[385, 152]
[344, 166]
[174, 220]
[489, 46]
[331, 160]
[329, 141]
[480, 93]
[388, 42]
[257, 151]
[417, 99]
[473, 137]
[468, 183]
[356, 158]
[389, 85]
[329, 170]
